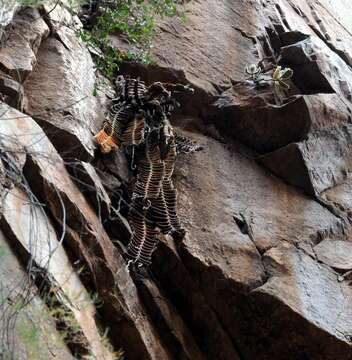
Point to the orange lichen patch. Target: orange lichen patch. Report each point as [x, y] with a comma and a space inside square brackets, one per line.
[106, 142]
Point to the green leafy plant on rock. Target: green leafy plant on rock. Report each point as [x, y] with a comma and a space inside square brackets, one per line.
[3, 252]
[134, 21]
[71, 4]
[28, 332]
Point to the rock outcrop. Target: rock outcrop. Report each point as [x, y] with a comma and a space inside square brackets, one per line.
[31, 332]
[265, 267]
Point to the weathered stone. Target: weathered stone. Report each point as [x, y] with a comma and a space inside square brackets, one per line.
[11, 91]
[192, 304]
[58, 15]
[340, 195]
[288, 164]
[172, 329]
[87, 179]
[7, 12]
[321, 19]
[252, 117]
[114, 169]
[60, 94]
[326, 110]
[258, 123]
[203, 45]
[249, 280]
[27, 330]
[304, 298]
[115, 175]
[241, 192]
[322, 161]
[202, 51]
[231, 209]
[17, 55]
[339, 198]
[46, 173]
[316, 68]
[37, 236]
[105, 192]
[257, 120]
[337, 254]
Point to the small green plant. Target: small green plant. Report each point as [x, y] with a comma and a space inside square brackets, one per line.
[71, 4]
[28, 332]
[117, 354]
[66, 322]
[132, 20]
[3, 252]
[33, 3]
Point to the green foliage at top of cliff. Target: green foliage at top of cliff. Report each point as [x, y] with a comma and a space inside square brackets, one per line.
[134, 21]
[72, 4]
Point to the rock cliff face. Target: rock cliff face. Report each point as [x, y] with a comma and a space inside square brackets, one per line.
[264, 271]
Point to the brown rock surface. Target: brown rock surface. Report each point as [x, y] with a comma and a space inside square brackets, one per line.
[223, 256]
[340, 195]
[60, 95]
[172, 328]
[304, 298]
[337, 254]
[215, 44]
[323, 159]
[18, 54]
[219, 187]
[45, 170]
[316, 164]
[11, 91]
[245, 194]
[46, 251]
[184, 291]
[9, 8]
[33, 335]
[87, 178]
[258, 274]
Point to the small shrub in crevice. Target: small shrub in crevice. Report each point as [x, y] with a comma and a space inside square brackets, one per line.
[133, 20]
[275, 76]
[280, 76]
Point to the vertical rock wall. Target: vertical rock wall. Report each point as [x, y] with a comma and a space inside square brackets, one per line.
[263, 272]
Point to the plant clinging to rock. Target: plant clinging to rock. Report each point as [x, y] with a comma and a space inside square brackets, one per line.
[281, 76]
[132, 20]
